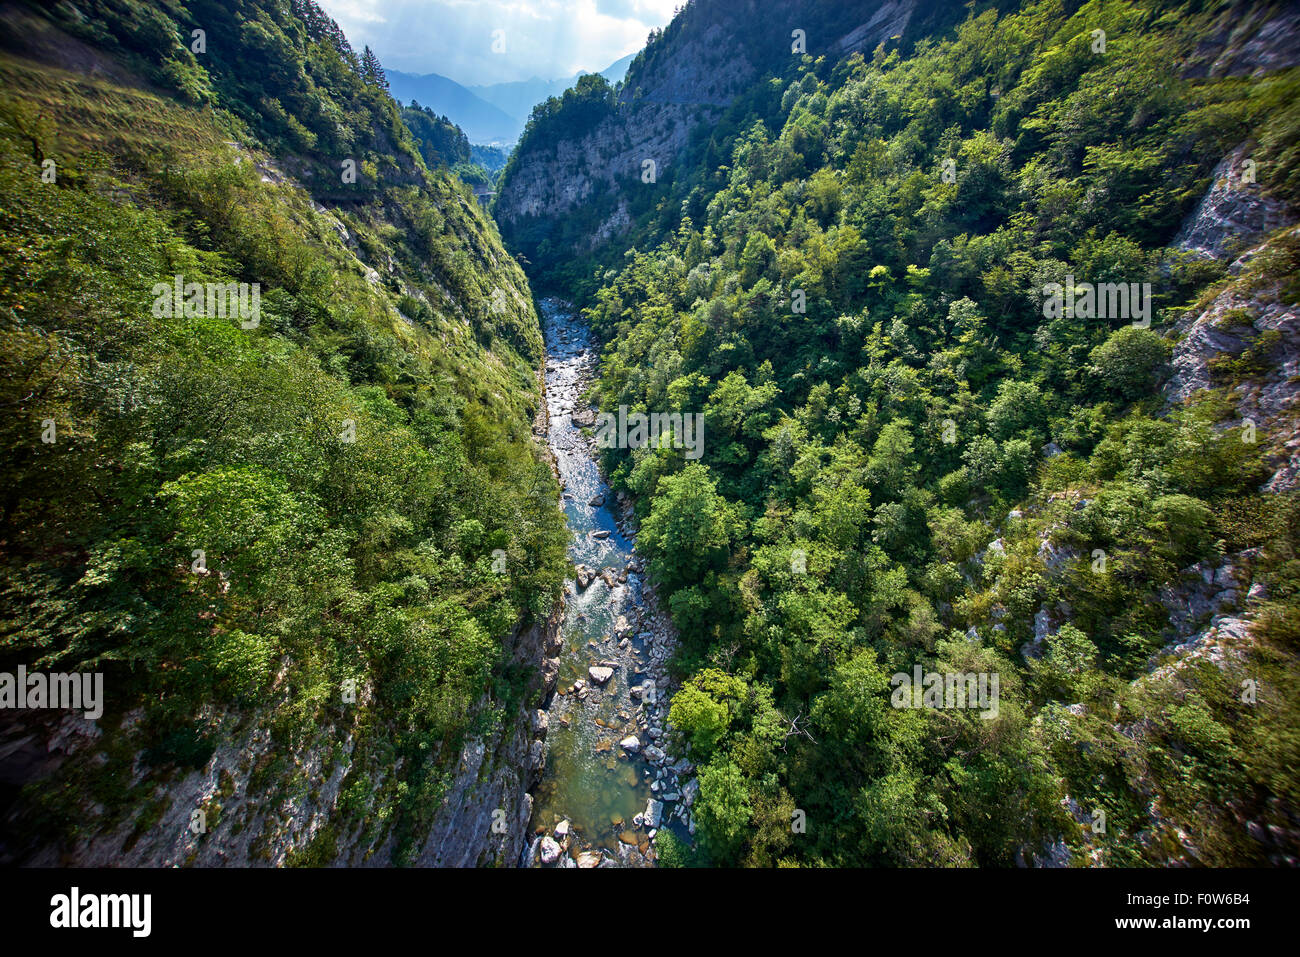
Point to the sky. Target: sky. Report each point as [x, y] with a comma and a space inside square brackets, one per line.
[548, 39]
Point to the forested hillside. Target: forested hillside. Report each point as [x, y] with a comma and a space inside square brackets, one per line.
[913, 457]
[295, 542]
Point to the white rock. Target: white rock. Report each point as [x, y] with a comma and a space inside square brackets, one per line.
[550, 851]
[653, 810]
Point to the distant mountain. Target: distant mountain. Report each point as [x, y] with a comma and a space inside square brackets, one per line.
[618, 69]
[519, 98]
[482, 121]
[491, 114]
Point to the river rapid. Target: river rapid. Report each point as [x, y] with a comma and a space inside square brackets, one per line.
[608, 789]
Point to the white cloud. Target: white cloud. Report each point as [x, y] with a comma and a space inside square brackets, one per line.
[543, 38]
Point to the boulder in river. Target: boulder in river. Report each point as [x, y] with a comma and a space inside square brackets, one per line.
[550, 851]
[584, 419]
[630, 743]
[653, 810]
[600, 674]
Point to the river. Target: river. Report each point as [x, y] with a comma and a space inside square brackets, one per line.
[603, 797]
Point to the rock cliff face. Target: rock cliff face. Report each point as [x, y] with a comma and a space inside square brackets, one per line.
[1244, 339]
[1247, 337]
[1251, 38]
[484, 816]
[481, 820]
[1233, 214]
[1248, 325]
[679, 87]
[256, 812]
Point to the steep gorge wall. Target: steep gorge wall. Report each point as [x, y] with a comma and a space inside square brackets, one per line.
[481, 819]
[682, 84]
[285, 774]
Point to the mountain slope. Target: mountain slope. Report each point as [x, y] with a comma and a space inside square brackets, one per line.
[491, 114]
[680, 99]
[917, 458]
[483, 121]
[311, 547]
[519, 98]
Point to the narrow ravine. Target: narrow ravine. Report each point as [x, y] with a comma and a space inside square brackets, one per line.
[608, 787]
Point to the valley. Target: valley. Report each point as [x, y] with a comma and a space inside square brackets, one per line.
[864, 435]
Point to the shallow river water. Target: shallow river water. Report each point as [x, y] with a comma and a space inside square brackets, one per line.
[598, 786]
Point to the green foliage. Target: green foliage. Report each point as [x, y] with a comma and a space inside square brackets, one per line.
[702, 710]
[690, 528]
[440, 141]
[1128, 362]
[723, 809]
[862, 453]
[345, 468]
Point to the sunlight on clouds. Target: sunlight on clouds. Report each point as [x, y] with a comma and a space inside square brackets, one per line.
[354, 11]
[544, 38]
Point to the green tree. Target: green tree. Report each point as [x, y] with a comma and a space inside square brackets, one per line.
[690, 528]
[723, 810]
[1128, 363]
[703, 709]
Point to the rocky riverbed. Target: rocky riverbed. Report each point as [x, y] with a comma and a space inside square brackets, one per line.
[609, 788]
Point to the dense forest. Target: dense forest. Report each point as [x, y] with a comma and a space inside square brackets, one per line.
[444, 144]
[990, 315]
[311, 530]
[912, 459]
